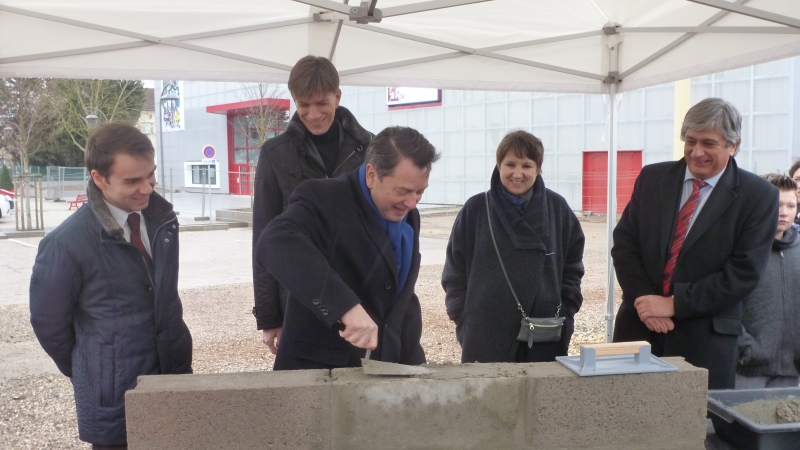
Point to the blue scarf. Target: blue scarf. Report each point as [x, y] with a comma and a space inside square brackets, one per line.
[401, 234]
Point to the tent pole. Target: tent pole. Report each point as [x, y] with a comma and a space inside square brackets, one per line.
[611, 215]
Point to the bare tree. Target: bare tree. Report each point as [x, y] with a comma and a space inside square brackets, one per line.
[264, 114]
[26, 114]
[116, 100]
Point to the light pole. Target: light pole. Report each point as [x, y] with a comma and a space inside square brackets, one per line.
[91, 119]
[167, 95]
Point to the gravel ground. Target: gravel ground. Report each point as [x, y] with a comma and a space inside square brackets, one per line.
[37, 409]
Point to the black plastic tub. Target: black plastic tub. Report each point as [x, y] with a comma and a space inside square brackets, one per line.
[743, 433]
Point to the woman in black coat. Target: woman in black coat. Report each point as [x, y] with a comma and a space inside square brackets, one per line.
[541, 244]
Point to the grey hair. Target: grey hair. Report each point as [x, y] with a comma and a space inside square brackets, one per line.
[386, 149]
[715, 114]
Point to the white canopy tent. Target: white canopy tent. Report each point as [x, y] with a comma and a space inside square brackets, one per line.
[586, 46]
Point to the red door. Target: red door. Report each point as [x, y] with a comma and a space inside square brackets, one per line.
[595, 179]
[243, 148]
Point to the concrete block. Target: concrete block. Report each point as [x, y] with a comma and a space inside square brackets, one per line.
[653, 411]
[539, 406]
[239, 215]
[457, 407]
[275, 410]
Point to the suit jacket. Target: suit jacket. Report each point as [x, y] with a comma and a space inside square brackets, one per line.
[331, 252]
[284, 162]
[720, 263]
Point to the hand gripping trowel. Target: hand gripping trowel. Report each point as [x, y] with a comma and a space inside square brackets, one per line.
[372, 367]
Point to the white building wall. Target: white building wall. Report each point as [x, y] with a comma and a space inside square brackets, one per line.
[470, 124]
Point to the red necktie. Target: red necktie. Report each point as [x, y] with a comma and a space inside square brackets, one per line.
[136, 235]
[684, 218]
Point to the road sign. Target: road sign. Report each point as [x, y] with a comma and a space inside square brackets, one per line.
[209, 152]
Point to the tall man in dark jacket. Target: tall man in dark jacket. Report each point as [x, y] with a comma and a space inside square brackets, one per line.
[347, 249]
[692, 244]
[323, 140]
[104, 290]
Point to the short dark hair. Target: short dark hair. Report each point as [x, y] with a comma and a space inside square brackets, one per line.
[109, 139]
[313, 75]
[386, 149]
[781, 181]
[715, 114]
[794, 168]
[524, 145]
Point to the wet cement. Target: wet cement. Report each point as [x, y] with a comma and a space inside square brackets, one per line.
[771, 411]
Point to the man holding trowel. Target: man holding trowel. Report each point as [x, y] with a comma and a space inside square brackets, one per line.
[347, 250]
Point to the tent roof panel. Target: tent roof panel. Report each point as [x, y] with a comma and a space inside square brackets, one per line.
[39, 36]
[437, 58]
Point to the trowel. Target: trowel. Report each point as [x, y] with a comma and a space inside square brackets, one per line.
[372, 367]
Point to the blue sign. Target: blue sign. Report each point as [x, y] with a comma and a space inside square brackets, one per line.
[209, 152]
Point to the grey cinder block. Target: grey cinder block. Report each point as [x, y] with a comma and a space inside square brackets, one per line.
[275, 410]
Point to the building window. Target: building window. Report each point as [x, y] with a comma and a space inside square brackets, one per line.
[199, 175]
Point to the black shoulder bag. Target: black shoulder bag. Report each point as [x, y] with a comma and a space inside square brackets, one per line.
[532, 329]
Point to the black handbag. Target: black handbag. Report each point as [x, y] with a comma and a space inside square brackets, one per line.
[532, 329]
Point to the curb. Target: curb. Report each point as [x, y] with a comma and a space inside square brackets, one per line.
[205, 227]
[22, 234]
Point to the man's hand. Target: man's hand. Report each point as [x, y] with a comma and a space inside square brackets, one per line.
[360, 330]
[660, 324]
[654, 306]
[271, 338]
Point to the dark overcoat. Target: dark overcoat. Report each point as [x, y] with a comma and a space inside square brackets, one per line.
[284, 162]
[103, 315]
[331, 252]
[720, 262]
[542, 249]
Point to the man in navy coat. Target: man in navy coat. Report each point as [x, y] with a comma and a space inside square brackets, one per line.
[692, 244]
[104, 290]
[347, 250]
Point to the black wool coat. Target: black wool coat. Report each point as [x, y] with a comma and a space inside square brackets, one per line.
[331, 253]
[542, 249]
[284, 162]
[719, 264]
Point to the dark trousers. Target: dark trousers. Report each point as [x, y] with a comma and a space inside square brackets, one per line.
[109, 447]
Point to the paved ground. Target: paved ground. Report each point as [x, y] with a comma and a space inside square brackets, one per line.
[207, 258]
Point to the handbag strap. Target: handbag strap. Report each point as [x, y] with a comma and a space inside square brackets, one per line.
[503, 267]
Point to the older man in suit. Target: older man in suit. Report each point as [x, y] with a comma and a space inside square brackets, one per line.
[692, 243]
[347, 250]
